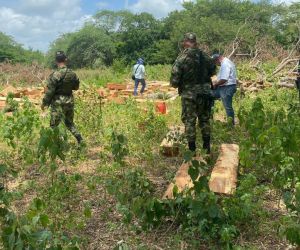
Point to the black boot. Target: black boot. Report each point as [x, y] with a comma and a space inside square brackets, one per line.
[79, 139]
[206, 144]
[192, 146]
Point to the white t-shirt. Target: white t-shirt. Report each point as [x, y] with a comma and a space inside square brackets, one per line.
[139, 71]
[227, 72]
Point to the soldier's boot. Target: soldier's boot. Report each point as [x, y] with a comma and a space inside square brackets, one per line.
[79, 138]
[206, 144]
[75, 133]
[192, 146]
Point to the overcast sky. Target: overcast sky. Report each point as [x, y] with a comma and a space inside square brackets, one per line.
[36, 23]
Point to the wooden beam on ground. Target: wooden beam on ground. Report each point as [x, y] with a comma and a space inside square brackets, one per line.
[10, 89]
[20, 100]
[116, 86]
[170, 144]
[182, 180]
[224, 175]
[127, 92]
[2, 104]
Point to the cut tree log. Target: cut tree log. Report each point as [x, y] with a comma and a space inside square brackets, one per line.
[182, 180]
[170, 144]
[224, 175]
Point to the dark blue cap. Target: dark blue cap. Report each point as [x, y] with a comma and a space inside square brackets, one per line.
[215, 56]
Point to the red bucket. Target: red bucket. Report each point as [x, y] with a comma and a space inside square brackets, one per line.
[161, 108]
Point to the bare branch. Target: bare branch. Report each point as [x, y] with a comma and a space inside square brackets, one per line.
[283, 64]
[288, 59]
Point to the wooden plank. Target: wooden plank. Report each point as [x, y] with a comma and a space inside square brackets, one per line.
[2, 104]
[224, 175]
[170, 144]
[127, 92]
[153, 87]
[116, 86]
[182, 180]
[10, 89]
[19, 100]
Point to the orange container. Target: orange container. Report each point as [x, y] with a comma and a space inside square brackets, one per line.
[161, 107]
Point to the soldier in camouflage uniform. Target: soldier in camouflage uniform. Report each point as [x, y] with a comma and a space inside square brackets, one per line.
[191, 75]
[59, 95]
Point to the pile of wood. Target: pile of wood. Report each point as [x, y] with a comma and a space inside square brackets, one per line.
[113, 92]
[33, 94]
[250, 86]
[287, 80]
[155, 90]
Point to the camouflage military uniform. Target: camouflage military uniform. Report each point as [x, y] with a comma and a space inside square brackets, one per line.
[59, 96]
[191, 75]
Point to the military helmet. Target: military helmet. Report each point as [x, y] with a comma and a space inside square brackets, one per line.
[190, 37]
[60, 56]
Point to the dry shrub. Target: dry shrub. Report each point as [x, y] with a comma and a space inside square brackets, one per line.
[24, 75]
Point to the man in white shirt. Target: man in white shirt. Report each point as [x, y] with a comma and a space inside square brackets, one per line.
[138, 74]
[225, 86]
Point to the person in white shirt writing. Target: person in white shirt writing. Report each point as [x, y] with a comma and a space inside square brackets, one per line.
[225, 86]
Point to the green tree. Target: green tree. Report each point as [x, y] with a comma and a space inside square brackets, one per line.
[288, 25]
[11, 51]
[90, 47]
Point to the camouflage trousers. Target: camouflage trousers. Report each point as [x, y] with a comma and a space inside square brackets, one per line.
[192, 109]
[62, 109]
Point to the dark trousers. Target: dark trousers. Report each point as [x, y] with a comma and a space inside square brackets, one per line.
[226, 93]
[136, 85]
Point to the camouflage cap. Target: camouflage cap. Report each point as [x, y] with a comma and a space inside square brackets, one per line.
[60, 56]
[190, 37]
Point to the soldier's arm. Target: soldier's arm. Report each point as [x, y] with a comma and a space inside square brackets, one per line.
[210, 65]
[76, 82]
[176, 74]
[51, 87]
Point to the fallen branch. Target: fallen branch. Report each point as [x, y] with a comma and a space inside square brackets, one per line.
[283, 64]
[288, 59]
